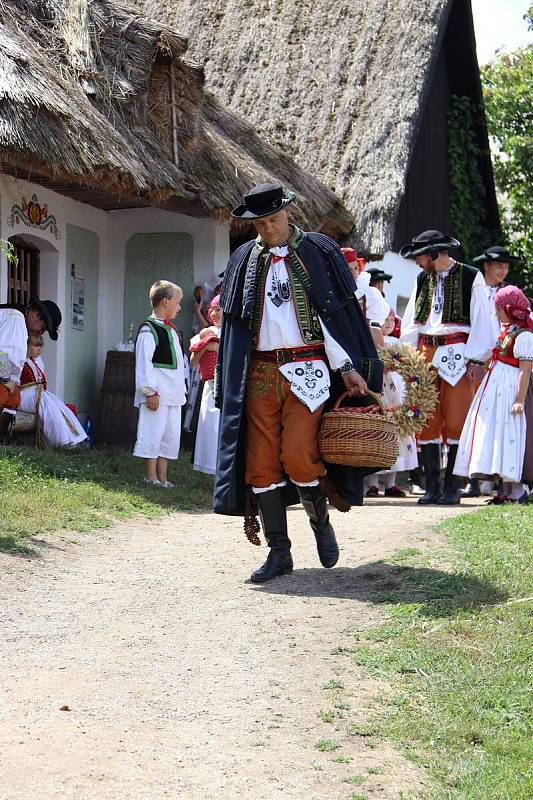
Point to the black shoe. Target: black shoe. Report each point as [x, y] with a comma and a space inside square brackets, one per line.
[472, 490]
[430, 454]
[273, 514]
[452, 483]
[316, 508]
[277, 563]
[7, 418]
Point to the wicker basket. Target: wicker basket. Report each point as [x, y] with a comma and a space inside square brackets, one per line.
[358, 439]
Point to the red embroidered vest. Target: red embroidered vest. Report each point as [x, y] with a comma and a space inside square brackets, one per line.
[504, 350]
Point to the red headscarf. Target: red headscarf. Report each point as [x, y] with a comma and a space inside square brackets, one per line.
[351, 257]
[516, 305]
[215, 303]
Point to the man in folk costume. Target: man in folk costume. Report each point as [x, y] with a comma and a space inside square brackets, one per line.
[292, 334]
[448, 320]
[16, 322]
[495, 263]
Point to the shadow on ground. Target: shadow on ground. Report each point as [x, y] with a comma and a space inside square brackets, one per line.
[438, 593]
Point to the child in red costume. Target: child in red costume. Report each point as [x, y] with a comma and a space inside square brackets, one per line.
[204, 353]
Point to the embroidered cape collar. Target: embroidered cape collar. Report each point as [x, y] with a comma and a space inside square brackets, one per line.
[293, 242]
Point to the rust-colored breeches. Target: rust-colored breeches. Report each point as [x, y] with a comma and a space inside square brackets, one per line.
[452, 407]
[282, 434]
[9, 400]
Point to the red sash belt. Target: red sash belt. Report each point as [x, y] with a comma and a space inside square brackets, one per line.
[288, 355]
[440, 341]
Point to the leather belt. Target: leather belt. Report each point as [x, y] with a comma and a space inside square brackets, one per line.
[440, 341]
[290, 354]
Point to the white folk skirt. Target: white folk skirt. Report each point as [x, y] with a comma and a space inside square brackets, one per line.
[59, 426]
[205, 451]
[493, 440]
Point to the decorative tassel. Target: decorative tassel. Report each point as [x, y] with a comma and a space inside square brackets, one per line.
[332, 493]
[251, 523]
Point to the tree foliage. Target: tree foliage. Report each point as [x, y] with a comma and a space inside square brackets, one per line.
[467, 192]
[508, 91]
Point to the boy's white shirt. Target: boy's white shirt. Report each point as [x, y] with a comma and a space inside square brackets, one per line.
[149, 380]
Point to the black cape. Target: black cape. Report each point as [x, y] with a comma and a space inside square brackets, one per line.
[333, 297]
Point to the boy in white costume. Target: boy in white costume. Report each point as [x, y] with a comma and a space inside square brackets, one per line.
[159, 384]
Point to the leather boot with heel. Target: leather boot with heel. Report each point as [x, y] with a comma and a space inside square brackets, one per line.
[431, 460]
[316, 507]
[273, 515]
[452, 483]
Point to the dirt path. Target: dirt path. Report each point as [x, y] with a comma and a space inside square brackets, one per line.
[183, 680]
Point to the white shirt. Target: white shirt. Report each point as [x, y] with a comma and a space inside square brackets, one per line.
[480, 339]
[377, 308]
[13, 343]
[279, 324]
[169, 383]
[496, 325]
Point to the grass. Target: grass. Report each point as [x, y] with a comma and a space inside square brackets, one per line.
[42, 491]
[455, 648]
[326, 745]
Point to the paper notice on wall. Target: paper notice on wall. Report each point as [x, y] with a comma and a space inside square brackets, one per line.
[78, 298]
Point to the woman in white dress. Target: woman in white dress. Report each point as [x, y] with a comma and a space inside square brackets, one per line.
[493, 440]
[204, 350]
[58, 425]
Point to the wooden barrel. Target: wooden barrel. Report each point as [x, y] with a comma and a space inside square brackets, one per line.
[117, 416]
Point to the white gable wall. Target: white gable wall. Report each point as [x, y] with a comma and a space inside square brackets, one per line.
[404, 272]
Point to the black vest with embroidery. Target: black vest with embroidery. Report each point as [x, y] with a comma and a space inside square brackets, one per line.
[306, 313]
[164, 355]
[457, 295]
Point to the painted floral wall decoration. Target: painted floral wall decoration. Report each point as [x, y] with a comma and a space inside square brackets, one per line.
[34, 215]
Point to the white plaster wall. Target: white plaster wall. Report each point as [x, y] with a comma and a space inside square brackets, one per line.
[53, 269]
[404, 272]
[210, 254]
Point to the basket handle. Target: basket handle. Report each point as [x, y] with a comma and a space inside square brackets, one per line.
[369, 393]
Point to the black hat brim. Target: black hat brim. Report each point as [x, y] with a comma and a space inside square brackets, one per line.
[504, 258]
[242, 212]
[46, 317]
[411, 250]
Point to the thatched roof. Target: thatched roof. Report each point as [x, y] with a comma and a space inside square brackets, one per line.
[95, 95]
[338, 85]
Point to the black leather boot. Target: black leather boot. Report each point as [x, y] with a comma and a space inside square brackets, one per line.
[316, 507]
[431, 460]
[273, 515]
[473, 489]
[452, 483]
[7, 418]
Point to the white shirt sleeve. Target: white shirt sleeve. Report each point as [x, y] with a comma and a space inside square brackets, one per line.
[146, 380]
[523, 346]
[336, 354]
[13, 343]
[409, 330]
[480, 339]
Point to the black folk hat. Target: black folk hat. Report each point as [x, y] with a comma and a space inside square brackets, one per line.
[428, 242]
[263, 200]
[496, 253]
[50, 313]
[377, 274]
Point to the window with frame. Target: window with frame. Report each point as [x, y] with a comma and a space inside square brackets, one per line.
[23, 275]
